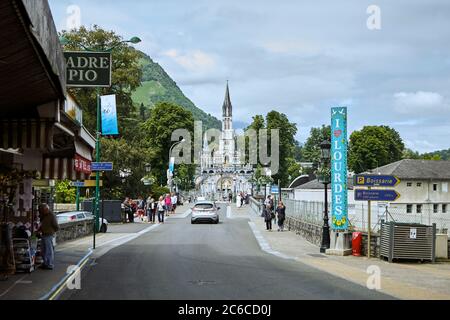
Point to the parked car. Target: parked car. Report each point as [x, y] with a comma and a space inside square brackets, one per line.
[205, 211]
[70, 216]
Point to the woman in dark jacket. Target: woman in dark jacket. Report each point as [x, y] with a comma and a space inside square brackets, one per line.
[267, 217]
[281, 212]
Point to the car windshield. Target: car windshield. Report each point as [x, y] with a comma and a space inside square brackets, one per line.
[203, 206]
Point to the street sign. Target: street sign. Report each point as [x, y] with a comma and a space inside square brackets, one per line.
[376, 195]
[88, 69]
[275, 190]
[102, 166]
[413, 233]
[363, 180]
[91, 183]
[78, 184]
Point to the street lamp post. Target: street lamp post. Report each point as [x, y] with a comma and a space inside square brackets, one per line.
[64, 41]
[169, 175]
[324, 177]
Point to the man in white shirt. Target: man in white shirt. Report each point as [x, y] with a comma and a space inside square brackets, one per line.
[174, 199]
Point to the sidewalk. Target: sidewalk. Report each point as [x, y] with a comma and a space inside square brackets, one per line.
[400, 280]
[41, 283]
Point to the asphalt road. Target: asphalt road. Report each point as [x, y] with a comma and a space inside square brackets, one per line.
[200, 262]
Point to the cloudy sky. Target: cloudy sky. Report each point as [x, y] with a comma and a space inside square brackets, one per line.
[298, 57]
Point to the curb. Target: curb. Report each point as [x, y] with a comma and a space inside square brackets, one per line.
[60, 286]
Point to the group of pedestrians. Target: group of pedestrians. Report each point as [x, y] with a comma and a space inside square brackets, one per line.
[150, 208]
[273, 215]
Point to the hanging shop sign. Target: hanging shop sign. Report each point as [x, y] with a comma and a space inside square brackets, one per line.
[88, 69]
[339, 211]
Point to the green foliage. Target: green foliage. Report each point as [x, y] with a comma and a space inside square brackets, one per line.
[157, 87]
[126, 74]
[125, 156]
[64, 192]
[288, 130]
[158, 191]
[374, 146]
[311, 150]
[164, 119]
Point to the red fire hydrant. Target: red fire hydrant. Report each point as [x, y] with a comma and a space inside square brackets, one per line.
[356, 243]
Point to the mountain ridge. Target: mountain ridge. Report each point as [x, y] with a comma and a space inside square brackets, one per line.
[158, 86]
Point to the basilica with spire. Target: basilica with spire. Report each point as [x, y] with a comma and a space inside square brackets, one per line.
[221, 170]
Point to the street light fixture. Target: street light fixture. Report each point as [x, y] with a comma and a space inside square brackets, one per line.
[324, 177]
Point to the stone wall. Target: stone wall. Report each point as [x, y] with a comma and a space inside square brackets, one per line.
[375, 245]
[74, 230]
[311, 232]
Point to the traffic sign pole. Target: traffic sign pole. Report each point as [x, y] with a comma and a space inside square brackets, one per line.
[370, 226]
[78, 198]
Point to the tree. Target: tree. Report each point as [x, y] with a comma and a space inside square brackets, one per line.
[164, 119]
[288, 130]
[125, 156]
[374, 146]
[410, 154]
[126, 74]
[257, 124]
[311, 149]
[64, 192]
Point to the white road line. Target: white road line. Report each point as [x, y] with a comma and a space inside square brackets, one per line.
[265, 246]
[13, 285]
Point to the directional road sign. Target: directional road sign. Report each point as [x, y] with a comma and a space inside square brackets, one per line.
[102, 166]
[275, 190]
[78, 184]
[376, 195]
[363, 180]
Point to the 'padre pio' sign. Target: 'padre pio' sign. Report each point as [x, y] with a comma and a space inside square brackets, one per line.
[339, 187]
[88, 69]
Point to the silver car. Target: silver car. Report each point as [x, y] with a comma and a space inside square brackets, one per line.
[72, 216]
[205, 211]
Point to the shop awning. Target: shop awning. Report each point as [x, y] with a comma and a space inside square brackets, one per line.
[25, 134]
[62, 169]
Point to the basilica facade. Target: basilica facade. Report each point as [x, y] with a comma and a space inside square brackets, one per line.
[221, 171]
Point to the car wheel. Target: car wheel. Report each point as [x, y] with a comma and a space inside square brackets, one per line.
[192, 222]
[104, 228]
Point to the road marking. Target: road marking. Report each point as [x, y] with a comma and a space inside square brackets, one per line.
[265, 246]
[13, 285]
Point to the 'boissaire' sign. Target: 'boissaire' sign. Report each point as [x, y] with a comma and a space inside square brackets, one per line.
[88, 69]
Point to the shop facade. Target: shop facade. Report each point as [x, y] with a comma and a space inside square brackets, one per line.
[42, 138]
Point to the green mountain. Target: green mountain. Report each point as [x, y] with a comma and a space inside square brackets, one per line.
[157, 86]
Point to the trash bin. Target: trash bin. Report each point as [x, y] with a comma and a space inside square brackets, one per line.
[356, 244]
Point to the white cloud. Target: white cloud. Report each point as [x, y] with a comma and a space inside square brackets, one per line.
[193, 61]
[418, 102]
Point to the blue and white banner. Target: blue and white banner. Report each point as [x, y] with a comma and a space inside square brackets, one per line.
[339, 187]
[109, 115]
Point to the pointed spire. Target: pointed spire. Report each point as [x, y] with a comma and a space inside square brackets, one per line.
[227, 107]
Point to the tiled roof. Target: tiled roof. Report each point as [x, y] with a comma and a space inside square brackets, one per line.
[416, 169]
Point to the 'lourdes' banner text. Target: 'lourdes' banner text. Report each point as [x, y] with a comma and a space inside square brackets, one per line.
[339, 210]
[109, 115]
[88, 69]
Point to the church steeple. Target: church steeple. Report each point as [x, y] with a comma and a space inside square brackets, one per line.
[227, 107]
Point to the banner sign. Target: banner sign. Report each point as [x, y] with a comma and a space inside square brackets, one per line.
[172, 164]
[88, 69]
[339, 187]
[109, 115]
[82, 165]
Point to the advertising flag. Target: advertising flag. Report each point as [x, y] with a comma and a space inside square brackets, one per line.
[339, 188]
[109, 115]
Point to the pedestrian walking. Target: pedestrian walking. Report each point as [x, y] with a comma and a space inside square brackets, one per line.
[149, 208]
[161, 209]
[281, 213]
[267, 217]
[168, 203]
[174, 200]
[49, 227]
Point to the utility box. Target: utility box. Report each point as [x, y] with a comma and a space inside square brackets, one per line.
[442, 246]
[408, 241]
[111, 209]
